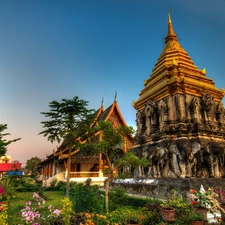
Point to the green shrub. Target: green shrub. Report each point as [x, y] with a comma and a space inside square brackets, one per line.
[128, 215]
[25, 188]
[136, 202]
[51, 188]
[153, 206]
[117, 197]
[61, 185]
[86, 198]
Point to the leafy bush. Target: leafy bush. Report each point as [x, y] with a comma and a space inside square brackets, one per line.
[86, 198]
[3, 213]
[25, 188]
[61, 185]
[128, 215]
[154, 207]
[117, 197]
[136, 202]
[9, 188]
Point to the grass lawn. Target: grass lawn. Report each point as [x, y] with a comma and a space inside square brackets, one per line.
[18, 203]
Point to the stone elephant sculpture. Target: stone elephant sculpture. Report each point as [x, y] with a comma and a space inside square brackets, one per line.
[159, 161]
[183, 157]
[211, 160]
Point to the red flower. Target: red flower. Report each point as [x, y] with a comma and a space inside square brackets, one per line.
[141, 217]
[192, 191]
[194, 203]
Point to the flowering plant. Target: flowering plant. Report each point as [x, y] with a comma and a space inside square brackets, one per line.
[37, 212]
[221, 195]
[2, 191]
[126, 215]
[66, 210]
[206, 199]
[3, 213]
[174, 200]
[195, 216]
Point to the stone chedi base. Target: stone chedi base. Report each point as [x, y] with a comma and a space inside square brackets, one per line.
[161, 187]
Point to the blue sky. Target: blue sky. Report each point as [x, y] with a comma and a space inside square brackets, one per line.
[54, 49]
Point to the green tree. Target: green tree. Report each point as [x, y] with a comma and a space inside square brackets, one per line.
[110, 145]
[68, 120]
[31, 164]
[3, 142]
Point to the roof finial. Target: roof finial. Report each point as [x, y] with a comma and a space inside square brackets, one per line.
[115, 97]
[170, 33]
[102, 101]
[169, 19]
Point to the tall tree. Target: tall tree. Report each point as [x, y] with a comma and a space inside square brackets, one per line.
[110, 145]
[67, 121]
[3, 142]
[31, 164]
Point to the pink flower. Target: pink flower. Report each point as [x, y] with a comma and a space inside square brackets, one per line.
[28, 203]
[2, 191]
[57, 212]
[43, 201]
[24, 214]
[38, 215]
[27, 208]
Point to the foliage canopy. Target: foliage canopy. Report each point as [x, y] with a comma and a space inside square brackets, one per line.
[31, 164]
[67, 121]
[3, 142]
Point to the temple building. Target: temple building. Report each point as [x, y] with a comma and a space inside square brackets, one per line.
[83, 166]
[180, 117]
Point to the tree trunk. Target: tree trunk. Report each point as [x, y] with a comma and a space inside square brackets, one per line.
[68, 173]
[107, 193]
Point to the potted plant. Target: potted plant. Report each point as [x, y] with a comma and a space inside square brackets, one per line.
[196, 218]
[168, 210]
[204, 201]
[171, 204]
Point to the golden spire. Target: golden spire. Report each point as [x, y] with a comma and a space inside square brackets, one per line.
[170, 33]
[204, 70]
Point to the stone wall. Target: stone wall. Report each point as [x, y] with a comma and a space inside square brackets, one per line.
[160, 188]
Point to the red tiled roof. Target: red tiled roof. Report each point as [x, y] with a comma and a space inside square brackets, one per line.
[4, 167]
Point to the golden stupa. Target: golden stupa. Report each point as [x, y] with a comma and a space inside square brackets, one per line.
[180, 117]
[175, 73]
